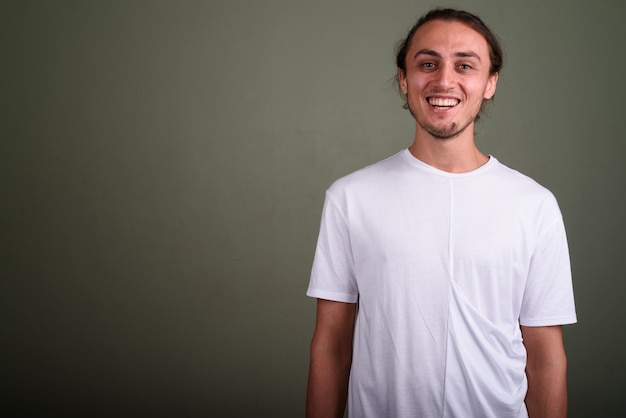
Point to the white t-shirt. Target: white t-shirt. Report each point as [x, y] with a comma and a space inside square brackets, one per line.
[445, 267]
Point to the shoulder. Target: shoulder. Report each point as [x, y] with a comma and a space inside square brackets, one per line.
[518, 182]
[370, 178]
[523, 192]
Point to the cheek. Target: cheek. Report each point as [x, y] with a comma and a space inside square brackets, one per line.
[416, 86]
[476, 92]
[481, 90]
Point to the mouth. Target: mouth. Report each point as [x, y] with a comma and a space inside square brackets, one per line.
[442, 103]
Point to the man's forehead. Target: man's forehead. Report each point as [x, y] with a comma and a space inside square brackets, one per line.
[449, 34]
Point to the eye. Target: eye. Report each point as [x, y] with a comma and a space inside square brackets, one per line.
[428, 65]
[465, 67]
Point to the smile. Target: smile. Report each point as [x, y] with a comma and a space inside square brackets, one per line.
[442, 103]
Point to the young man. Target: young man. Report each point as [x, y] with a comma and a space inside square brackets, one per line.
[459, 264]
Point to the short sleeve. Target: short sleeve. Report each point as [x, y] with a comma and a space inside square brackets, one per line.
[548, 296]
[332, 274]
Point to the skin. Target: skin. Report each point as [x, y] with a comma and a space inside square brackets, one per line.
[331, 357]
[446, 60]
[546, 370]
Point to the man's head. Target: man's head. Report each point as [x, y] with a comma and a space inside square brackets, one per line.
[446, 58]
[448, 15]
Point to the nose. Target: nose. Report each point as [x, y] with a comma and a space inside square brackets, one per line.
[445, 76]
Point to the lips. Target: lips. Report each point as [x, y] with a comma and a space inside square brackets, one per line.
[443, 102]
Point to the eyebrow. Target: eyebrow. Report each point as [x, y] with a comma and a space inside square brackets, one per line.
[432, 53]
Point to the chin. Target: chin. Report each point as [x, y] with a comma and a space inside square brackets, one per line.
[442, 132]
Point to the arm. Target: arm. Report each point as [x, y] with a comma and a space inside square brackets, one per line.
[331, 357]
[546, 371]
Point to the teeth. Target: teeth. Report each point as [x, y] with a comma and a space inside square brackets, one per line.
[441, 102]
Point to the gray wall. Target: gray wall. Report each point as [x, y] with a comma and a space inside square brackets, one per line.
[162, 174]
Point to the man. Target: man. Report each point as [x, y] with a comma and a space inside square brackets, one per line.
[459, 265]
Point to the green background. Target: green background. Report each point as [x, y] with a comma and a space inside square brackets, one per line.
[162, 170]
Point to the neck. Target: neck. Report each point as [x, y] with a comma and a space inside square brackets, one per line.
[454, 155]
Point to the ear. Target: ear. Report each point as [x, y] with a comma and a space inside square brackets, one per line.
[491, 86]
[402, 82]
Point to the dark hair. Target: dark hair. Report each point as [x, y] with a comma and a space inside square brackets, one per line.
[471, 20]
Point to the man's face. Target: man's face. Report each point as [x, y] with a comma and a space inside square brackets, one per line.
[447, 77]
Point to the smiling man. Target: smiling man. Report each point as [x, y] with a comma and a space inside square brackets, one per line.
[445, 79]
[442, 276]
